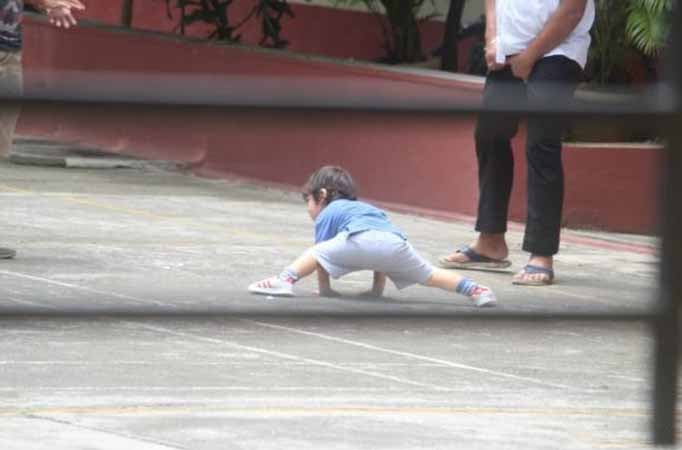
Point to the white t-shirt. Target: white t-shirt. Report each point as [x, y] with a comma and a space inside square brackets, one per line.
[520, 21]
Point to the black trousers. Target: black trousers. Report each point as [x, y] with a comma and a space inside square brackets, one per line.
[552, 82]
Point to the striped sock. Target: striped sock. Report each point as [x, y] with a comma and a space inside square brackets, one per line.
[467, 287]
[289, 275]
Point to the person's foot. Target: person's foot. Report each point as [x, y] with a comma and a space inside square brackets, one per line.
[538, 272]
[7, 253]
[272, 286]
[490, 246]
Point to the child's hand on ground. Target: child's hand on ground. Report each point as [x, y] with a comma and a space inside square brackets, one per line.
[328, 293]
[371, 293]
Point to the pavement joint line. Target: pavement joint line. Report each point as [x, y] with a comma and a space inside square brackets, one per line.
[150, 215]
[287, 356]
[86, 289]
[29, 303]
[414, 356]
[338, 410]
[132, 437]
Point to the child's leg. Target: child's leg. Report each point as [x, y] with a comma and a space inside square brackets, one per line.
[444, 279]
[304, 265]
[452, 281]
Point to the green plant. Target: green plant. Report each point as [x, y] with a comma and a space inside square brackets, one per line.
[627, 33]
[451, 35]
[607, 57]
[215, 13]
[648, 24]
[399, 23]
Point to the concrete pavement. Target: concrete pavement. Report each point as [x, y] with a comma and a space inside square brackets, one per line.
[151, 237]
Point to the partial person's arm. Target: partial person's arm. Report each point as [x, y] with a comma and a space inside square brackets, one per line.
[379, 284]
[559, 26]
[491, 36]
[324, 286]
[58, 11]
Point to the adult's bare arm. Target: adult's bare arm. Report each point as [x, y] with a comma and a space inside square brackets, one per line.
[491, 36]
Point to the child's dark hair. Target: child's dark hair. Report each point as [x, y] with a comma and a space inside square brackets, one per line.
[337, 181]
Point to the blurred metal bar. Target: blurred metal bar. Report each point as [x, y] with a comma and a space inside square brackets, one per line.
[315, 93]
[171, 313]
[667, 326]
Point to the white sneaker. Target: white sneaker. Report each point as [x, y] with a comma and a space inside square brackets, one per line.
[272, 286]
[484, 297]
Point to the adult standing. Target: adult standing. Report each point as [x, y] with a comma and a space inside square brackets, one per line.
[60, 14]
[535, 53]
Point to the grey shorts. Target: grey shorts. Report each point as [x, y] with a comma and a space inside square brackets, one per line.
[378, 251]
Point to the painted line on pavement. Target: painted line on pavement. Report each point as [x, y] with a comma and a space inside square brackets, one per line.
[85, 289]
[410, 355]
[290, 357]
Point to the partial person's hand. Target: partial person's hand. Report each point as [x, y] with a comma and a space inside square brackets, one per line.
[490, 55]
[60, 12]
[52, 4]
[61, 17]
[521, 65]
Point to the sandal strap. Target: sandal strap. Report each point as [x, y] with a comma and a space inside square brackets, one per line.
[532, 269]
[473, 255]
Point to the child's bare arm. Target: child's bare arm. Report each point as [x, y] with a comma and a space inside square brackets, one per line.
[324, 284]
[378, 284]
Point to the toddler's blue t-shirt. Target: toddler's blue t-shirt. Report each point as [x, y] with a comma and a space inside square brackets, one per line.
[351, 216]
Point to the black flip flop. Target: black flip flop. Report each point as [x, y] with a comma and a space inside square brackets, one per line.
[476, 261]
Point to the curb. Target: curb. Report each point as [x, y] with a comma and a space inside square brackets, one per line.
[45, 153]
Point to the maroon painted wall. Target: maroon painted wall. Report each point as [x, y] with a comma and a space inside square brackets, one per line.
[313, 29]
[421, 160]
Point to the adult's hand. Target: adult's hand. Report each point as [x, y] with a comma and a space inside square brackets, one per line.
[59, 12]
[61, 17]
[521, 64]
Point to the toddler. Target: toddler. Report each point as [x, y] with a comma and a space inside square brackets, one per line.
[350, 236]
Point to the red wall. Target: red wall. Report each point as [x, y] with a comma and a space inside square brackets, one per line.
[313, 29]
[423, 160]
